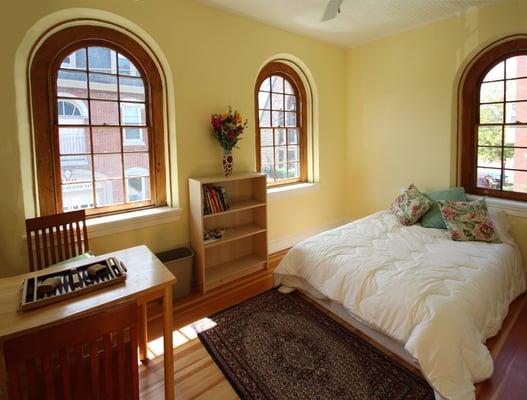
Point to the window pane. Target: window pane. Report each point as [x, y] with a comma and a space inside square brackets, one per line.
[72, 84]
[269, 171]
[264, 100]
[106, 140]
[136, 164]
[293, 170]
[489, 157]
[126, 67]
[516, 112]
[290, 103]
[72, 112]
[266, 137]
[496, 73]
[103, 86]
[489, 178]
[288, 89]
[77, 196]
[280, 154]
[102, 59]
[135, 139]
[491, 113]
[266, 155]
[104, 112]
[279, 137]
[517, 89]
[489, 135]
[293, 153]
[74, 140]
[281, 171]
[292, 136]
[75, 168]
[515, 181]
[138, 189]
[108, 193]
[515, 158]
[277, 83]
[107, 166]
[76, 60]
[491, 92]
[266, 85]
[517, 67]
[132, 89]
[277, 101]
[265, 118]
[515, 136]
[278, 118]
[290, 119]
[133, 114]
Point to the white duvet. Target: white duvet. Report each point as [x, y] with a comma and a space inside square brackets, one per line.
[440, 298]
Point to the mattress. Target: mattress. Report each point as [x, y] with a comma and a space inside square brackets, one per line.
[439, 298]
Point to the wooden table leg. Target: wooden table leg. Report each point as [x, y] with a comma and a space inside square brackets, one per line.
[168, 350]
[142, 336]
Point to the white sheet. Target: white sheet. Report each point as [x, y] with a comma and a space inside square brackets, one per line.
[441, 298]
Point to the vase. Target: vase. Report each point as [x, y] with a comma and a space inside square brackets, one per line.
[227, 162]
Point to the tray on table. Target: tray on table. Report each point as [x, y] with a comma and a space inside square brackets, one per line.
[74, 281]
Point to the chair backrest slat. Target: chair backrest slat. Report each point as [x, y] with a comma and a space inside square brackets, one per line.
[77, 359]
[55, 238]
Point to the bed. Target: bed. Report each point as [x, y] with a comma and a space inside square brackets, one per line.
[431, 300]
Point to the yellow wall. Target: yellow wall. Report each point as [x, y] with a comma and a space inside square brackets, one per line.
[401, 105]
[214, 58]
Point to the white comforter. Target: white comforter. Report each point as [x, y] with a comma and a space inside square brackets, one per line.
[440, 298]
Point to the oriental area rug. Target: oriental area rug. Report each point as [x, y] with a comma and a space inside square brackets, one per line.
[280, 346]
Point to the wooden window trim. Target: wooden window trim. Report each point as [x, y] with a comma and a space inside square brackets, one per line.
[469, 108]
[288, 73]
[42, 81]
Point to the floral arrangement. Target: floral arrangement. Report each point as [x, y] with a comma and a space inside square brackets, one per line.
[227, 128]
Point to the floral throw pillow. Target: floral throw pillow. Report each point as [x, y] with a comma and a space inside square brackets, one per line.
[410, 206]
[468, 221]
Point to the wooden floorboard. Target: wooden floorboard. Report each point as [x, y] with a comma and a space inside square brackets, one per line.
[198, 377]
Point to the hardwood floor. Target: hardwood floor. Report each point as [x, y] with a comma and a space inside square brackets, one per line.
[198, 377]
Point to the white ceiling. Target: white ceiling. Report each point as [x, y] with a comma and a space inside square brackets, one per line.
[361, 21]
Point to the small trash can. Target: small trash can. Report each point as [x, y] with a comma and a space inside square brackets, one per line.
[179, 262]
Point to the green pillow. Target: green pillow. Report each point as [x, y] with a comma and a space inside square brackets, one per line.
[433, 218]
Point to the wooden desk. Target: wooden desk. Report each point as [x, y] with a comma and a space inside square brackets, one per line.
[148, 279]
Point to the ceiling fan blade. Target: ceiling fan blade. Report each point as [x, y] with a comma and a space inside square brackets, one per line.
[332, 10]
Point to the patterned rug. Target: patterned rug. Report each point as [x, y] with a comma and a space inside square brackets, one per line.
[279, 346]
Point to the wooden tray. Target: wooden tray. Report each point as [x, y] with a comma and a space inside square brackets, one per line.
[75, 281]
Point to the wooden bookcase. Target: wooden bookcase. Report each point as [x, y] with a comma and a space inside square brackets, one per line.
[242, 250]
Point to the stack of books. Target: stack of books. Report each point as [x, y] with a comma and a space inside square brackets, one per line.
[214, 199]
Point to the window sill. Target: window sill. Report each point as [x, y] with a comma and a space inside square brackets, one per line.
[511, 207]
[292, 190]
[112, 224]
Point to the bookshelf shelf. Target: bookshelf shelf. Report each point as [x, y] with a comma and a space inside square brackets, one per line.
[239, 232]
[242, 250]
[238, 206]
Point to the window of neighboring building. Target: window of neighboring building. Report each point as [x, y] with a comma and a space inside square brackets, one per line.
[281, 139]
[104, 127]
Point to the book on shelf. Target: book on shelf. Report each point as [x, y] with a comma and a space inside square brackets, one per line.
[214, 199]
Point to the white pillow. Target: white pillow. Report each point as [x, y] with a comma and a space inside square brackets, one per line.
[501, 225]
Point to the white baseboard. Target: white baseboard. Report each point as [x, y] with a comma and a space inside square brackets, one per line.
[285, 242]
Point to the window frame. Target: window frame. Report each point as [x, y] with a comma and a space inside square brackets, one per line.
[469, 118]
[43, 86]
[288, 73]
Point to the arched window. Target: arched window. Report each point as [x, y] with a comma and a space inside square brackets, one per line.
[98, 122]
[281, 138]
[494, 122]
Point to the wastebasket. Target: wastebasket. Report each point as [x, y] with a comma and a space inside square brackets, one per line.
[179, 262]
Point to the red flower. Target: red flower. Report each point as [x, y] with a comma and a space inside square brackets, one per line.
[448, 213]
[231, 134]
[216, 122]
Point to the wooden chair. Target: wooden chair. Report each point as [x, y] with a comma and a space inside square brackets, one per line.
[54, 238]
[86, 358]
